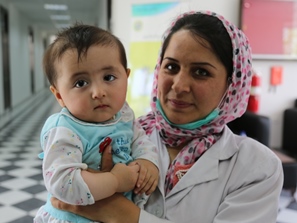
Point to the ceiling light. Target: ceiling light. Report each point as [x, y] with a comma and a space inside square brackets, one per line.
[60, 17]
[55, 7]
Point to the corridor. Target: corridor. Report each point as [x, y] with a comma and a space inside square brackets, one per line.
[21, 186]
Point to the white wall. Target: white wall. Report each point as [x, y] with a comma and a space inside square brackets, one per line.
[121, 11]
[272, 104]
[102, 11]
[40, 78]
[19, 57]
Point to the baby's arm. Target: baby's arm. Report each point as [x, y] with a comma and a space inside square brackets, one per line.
[65, 176]
[121, 178]
[62, 165]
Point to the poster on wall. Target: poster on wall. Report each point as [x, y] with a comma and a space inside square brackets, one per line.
[149, 22]
[271, 26]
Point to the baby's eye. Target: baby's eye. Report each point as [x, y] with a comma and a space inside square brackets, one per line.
[80, 83]
[109, 77]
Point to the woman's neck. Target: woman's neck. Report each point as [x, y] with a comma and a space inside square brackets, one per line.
[173, 151]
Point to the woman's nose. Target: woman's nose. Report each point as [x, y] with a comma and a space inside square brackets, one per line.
[181, 83]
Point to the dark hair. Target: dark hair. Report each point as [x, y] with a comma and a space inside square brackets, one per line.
[210, 29]
[79, 37]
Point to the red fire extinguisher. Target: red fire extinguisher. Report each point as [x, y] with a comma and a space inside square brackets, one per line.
[254, 99]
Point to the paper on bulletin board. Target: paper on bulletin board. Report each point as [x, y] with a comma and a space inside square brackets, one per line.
[149, 22]
[279, 38]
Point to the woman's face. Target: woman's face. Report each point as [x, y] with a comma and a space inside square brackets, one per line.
[191, 80]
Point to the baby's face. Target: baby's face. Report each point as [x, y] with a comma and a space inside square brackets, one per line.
[93, 88]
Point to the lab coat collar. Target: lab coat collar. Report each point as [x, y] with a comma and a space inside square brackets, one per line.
[206, 167]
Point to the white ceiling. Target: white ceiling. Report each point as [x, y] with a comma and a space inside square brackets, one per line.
[85, 11]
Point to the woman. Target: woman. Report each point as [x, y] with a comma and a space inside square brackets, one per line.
[207, 174]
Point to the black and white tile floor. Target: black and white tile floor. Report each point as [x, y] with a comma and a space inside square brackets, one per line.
[22, 190]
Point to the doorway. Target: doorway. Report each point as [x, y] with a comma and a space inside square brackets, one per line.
[5, 58]
[31, 56]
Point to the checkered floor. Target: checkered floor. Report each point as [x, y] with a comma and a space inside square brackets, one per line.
[21, 186]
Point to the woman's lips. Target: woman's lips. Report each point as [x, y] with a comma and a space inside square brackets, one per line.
[179, 104]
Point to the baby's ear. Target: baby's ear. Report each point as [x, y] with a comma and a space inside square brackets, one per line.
[128, 72]
[57, 95]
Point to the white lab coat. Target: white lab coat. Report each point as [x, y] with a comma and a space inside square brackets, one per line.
[237, 180]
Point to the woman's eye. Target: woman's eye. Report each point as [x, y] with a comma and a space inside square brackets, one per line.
[109, 77]
[80, 83]
[201, 72]
[172, 67]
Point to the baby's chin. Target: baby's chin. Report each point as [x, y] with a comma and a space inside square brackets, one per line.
[101, 119]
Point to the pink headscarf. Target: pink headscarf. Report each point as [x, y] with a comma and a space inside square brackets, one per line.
[232, 106]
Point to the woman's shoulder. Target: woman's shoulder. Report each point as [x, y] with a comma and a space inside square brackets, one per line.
[247, 155]
[254, 159]
[249, 148]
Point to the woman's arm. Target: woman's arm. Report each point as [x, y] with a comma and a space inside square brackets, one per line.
[114, 209]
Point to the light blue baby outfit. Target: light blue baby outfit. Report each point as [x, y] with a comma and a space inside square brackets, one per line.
[70, 145]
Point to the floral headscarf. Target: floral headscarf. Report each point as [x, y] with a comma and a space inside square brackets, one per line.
[232, 106]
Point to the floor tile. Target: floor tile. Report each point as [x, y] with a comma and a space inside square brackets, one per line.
[287, 216]
[12, 197]
[29, 204]
[18, 183]
[23, 172]
[8, 214]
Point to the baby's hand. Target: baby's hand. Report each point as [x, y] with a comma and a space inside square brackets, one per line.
[126, 176]
[148, 177]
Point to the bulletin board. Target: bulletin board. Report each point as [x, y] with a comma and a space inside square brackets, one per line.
[271, 26]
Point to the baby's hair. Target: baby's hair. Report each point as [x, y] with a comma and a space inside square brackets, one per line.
[79, 37]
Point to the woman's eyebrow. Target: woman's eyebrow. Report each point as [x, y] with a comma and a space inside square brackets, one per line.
[195, 63]
[204, 64]
[169, 58]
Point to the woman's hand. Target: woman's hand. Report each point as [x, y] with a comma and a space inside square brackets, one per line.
[148, 177]
[106, 161]
[114, 209]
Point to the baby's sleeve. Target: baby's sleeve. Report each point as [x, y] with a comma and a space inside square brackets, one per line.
[62, 165]
[142, 147]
